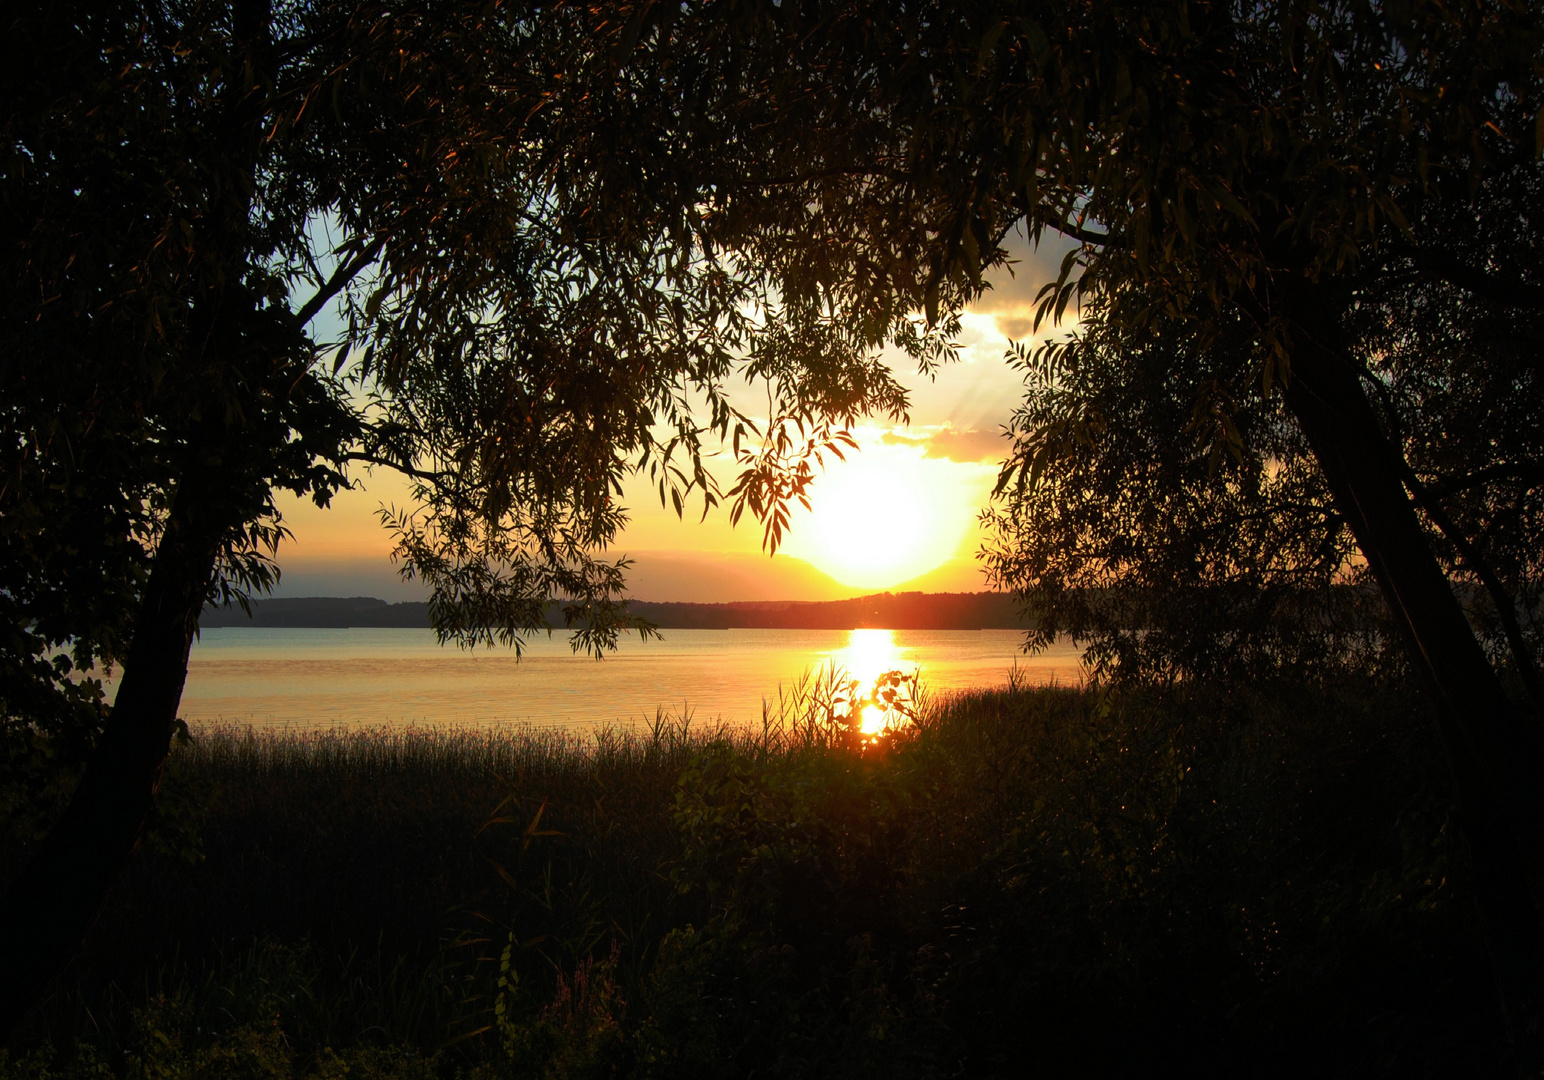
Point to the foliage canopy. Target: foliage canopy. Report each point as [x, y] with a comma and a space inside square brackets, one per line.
[1305, 236]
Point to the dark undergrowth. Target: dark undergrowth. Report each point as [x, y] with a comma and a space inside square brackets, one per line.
[1051, 881]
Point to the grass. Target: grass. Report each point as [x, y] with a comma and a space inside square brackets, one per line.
[1188, 881]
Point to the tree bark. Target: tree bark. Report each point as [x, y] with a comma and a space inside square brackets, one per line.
[48, 909]
[1495, 757]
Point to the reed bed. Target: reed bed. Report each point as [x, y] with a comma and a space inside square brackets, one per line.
[1182, 881]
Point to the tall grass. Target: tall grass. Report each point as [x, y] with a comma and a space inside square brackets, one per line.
[1077, 879]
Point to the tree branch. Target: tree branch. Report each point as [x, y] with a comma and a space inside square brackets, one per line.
[406, 470]
[1427, 499]
[1531, 472]
[1481, 283]
[1071, 231]
[1506, 609]
[341, 276]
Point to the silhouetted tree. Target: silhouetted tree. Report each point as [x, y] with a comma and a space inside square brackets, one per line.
[186, 187]
[1265, 172]
[1168, 548]
[582, 222]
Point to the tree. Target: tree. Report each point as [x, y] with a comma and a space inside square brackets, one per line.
[1177, 521]
[175, 174]
[1174, 522]
[583, 221]
[1248, 181]
[1308, 157]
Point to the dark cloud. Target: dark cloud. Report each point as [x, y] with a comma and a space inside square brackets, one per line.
[1016, 327]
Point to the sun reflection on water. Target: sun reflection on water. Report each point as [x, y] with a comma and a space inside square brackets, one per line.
[870, 655]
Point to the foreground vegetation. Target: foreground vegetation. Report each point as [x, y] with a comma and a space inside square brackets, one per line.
[1117, 882]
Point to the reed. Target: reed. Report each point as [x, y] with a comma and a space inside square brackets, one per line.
[1213, 880]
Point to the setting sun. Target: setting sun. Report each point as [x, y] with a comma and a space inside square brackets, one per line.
[884, 516]
[873, 720]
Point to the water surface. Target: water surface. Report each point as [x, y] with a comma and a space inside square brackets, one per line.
[373, 677]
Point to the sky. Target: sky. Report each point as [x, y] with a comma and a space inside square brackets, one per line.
[898, 514]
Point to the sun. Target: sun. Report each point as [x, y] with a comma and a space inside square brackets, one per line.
[881, 518]
[873, 720]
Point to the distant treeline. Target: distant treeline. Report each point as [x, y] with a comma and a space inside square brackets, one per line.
[894, 611]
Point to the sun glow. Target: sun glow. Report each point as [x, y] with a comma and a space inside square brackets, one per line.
[884, 516]
[872, 720]
[870, 655]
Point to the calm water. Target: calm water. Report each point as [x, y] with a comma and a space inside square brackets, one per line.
[351, 678]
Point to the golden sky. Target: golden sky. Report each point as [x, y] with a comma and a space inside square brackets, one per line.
[899, 513]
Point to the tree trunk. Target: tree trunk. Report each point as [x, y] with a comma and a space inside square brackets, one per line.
[1495, 757]
[49, 907]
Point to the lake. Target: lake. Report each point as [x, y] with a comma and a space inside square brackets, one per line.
[372, 677]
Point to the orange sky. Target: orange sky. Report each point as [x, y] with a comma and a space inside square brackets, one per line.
[932, 478]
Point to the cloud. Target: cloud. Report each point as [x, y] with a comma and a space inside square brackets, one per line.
[950, 443]
[1010, 297]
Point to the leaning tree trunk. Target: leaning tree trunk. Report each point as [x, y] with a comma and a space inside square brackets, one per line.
[49, 907]
[1494, 756]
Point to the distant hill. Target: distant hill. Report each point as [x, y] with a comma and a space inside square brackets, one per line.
[894, 611]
